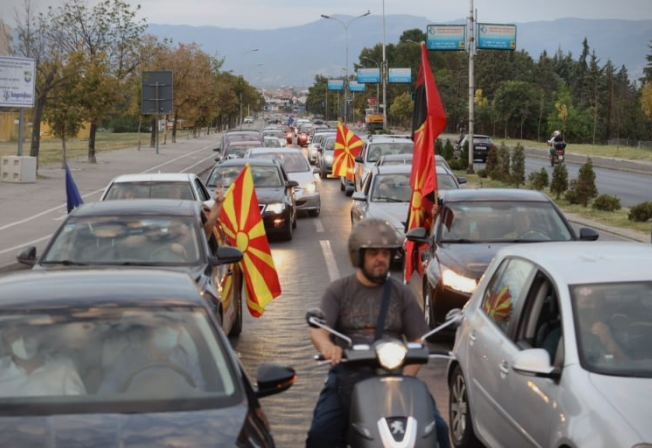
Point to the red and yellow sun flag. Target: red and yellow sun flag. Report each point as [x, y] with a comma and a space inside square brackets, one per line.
[499, 305]
[243, 226]
[428, 121]
[347, 147]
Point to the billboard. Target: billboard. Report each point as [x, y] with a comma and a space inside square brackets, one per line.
[371, 75]
[446, 37]
[356, 87]
[17, 79]
[156, 93]
[399, 75]
[496, 36]
[335, 84]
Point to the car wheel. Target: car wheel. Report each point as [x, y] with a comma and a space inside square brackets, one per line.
[294, 221]
[323, 173]
[342, 186]
[236, 329]
[287, 233]
[428, 311]
[461, 424]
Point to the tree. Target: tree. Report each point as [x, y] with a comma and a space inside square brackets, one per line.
[401, 109]
[585, 186]
[559, 182]
[647, 70]
[646, 100]
[517, 167]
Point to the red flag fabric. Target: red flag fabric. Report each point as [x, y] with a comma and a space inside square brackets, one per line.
[347, 147]
[243, 226]
[428, 121]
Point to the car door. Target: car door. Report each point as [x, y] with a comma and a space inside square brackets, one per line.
[358, 168]
[491, 350]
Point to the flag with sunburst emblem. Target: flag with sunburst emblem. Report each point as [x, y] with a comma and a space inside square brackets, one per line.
[243, 226]
[428, 121]
[347, 147]
[499, 305]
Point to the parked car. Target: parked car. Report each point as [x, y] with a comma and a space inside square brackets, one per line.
[553, 349]
[307, 195]
[472, 224]
[386, 194]
[482, 144]
[124, 358]
[274, 191]
[375, 147]
[154, 233]
[185, 186]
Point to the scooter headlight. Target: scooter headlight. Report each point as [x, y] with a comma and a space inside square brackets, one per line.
[391, 355]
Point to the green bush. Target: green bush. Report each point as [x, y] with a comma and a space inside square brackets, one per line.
[447, 151]
[539, 179]
[457, 164]
[606, 203]
[482, 172]
[492, 160]
[640, 212]
[585, 186]
[517, 167]
[559, 182]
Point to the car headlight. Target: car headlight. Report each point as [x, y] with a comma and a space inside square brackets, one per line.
[453, 280]
[310, 188]
[328, 159]
[276, 207]
[391, 354]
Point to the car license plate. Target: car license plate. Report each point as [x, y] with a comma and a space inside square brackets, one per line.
[484, 148]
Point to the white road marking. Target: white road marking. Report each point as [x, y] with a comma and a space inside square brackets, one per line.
[319, 226]
[331, 264]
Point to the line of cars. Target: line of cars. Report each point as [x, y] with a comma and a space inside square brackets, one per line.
[126, 312]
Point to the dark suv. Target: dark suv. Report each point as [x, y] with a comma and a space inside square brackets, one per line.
[482, 144]
[274, 191]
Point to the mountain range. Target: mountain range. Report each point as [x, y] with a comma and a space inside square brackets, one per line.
[293, 56]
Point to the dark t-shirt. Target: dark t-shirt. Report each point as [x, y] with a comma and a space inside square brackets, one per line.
[352, 308]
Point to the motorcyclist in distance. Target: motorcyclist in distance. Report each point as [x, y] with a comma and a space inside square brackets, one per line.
[351, 305]
[555, 138]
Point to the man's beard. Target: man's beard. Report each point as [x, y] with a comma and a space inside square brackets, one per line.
[375, 278]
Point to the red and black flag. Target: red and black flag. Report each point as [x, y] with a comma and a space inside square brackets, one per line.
[428, 121]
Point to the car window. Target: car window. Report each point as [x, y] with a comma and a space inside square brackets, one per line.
[292, 162]
[266, 176]
[504, 290]
[127, 240]
[121, 357]
[446, 182]
[150, 190]
[223, 175]
[201, 190]
[391, 188]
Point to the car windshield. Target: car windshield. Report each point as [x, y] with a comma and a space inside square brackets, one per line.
[150, 190]
[482, 221]
[391, 188]
[382, 149]
[126, 240]
[292, 162]
[112, 357]
[237, 151]
[613, 324]
[446, 182]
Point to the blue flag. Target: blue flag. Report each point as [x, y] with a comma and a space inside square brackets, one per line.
[72, 193]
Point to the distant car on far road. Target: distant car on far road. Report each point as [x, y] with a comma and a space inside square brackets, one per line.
[482, 144]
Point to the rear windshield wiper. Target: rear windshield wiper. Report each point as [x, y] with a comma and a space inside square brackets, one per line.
[459, 241]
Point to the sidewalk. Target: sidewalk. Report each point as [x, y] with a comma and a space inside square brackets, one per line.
[29, 213]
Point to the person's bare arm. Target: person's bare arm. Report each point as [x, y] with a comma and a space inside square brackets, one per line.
[214, 214]
[321, 340]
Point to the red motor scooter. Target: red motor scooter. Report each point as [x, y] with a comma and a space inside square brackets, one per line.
[558, 153]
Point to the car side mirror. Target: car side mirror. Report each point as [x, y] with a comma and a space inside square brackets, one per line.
[218, 158]
[292, 183]
[533, 362]
[27, 256]
[227, 255]
[359, 159]
[217, 148]
[359, 196]
[461, 180]
[316, 171]
[273, 378]
[418, 235]
[315, 314]
[587, 234]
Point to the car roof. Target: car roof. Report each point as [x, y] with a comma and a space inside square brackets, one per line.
[390, 138]
[404, 168]
[172, 207]
[276, 150]
[492, 194]
[150, 177]
[579, 262]
[88, 286]
[243, 161]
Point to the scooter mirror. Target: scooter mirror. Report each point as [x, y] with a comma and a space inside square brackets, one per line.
[454, 315]
[315, 313]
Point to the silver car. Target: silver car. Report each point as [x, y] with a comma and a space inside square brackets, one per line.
[298, 168]
[553, 349]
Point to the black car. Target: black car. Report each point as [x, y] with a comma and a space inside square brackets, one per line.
[146, 233]
[123, 358]
[472, 224]
[482, 144]
[274, 191]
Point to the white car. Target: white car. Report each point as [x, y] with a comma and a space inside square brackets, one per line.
[553, 349]
[186, 186]
[373, 149]
[248, 120]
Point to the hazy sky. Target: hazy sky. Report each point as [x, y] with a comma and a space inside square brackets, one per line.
[269, 14]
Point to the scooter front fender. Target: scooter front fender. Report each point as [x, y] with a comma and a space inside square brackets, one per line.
[391, 411]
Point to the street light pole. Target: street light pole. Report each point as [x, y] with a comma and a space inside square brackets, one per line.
[383, 75]
[346, 37]
[242, 80]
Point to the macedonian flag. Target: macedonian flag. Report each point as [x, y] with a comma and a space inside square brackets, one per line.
[428, 121]
[499, 305]
[243, 226]
[347, 147]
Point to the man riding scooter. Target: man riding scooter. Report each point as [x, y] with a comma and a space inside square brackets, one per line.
[353, 305]
[557, 147]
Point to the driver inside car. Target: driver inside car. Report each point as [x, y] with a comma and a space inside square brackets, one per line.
[151, 357]
[521, 225]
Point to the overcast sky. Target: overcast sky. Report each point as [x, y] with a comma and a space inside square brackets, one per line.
[270, 14]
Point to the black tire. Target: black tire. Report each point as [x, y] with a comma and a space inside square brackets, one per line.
[236, 329]
[461, 423]
[287, 234]
[323, 173]
[342, 185]
[294, 221]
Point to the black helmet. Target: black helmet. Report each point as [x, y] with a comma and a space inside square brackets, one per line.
[372, 233]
